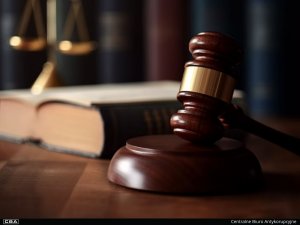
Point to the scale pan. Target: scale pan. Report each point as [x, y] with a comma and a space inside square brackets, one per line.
[28, 44]
[76, 48]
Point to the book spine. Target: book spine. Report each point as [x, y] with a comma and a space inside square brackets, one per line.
[120, 41]
[124, 121]
[166, 39]
[24, 20]
[226, 17]
[76, 52]
[264, 57]
[127, 120]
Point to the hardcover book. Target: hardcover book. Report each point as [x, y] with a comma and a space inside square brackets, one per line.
[93, 120]
[166, 26]
[120, 31]
[265, 58]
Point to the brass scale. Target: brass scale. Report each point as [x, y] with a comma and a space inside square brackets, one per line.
[20, 42]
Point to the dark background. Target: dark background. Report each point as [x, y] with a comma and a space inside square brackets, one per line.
[141, 40]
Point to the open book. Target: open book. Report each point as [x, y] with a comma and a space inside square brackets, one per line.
[92, 120]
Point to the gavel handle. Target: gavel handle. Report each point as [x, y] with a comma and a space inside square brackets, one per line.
[235, 117]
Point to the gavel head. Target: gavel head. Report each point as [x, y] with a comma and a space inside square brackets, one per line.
[207, 87]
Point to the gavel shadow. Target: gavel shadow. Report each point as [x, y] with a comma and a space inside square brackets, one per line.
[287, 183]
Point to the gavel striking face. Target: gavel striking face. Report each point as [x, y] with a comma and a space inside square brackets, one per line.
[207, 87]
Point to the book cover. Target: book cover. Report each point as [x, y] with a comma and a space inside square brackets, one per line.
[23, 47]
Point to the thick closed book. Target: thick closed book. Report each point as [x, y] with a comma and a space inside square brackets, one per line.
[92, 120]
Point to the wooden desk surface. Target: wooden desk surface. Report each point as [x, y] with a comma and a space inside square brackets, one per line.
[36, 183]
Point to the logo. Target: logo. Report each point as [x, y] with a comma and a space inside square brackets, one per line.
[10, 221]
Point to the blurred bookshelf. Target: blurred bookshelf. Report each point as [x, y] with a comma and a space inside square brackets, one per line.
[102, 41]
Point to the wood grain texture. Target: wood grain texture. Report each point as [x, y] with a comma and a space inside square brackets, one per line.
[169, 164]
[90, 195]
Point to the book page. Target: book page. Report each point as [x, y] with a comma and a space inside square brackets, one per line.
[105, 93]
[101, 93]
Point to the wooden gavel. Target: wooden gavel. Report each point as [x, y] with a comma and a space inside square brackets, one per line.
[197, 158]
[206, 92]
